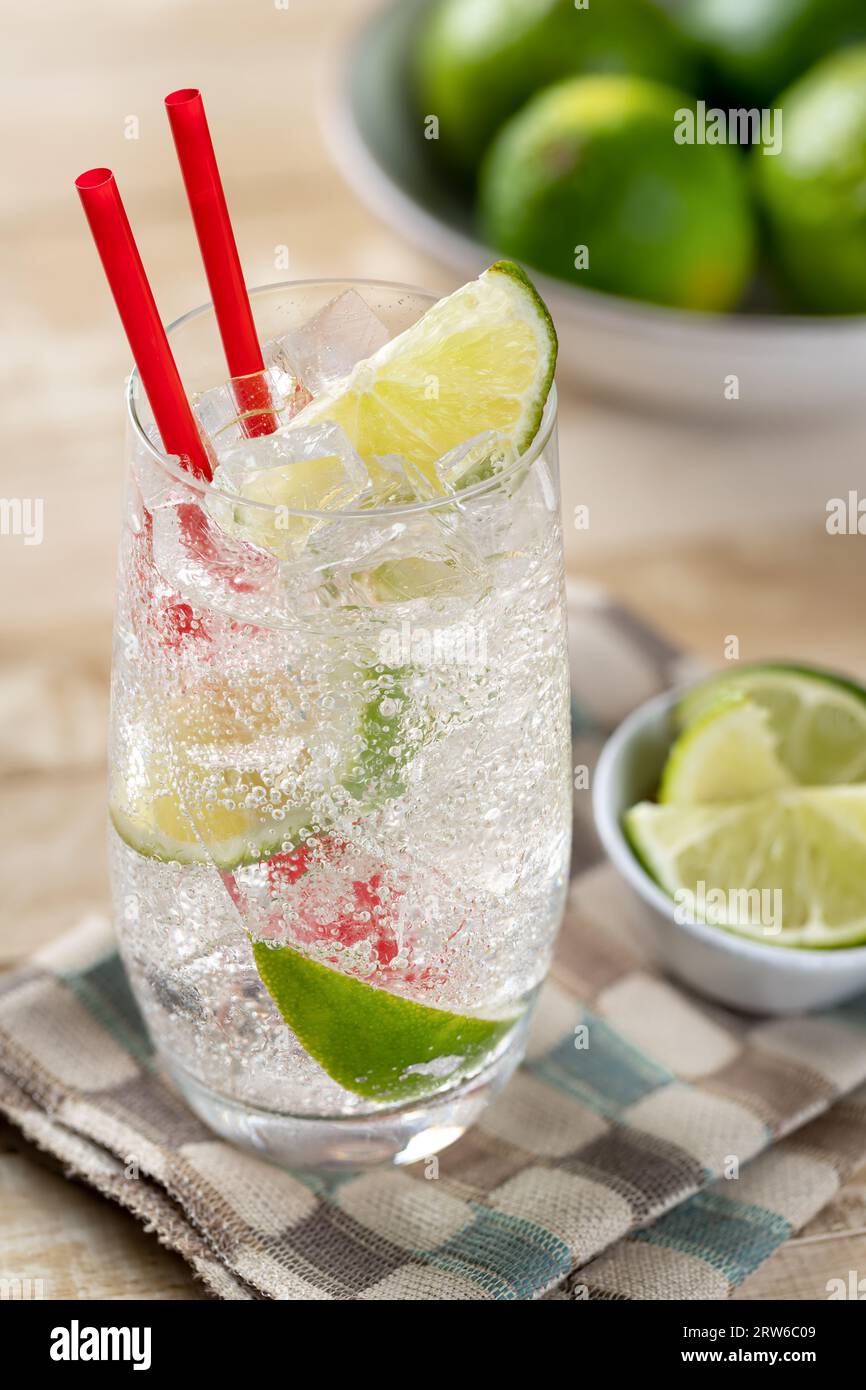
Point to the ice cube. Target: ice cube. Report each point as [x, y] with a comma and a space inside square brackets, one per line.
[385, 561]
[396, 555]
[216, 412]
[310, 467]
[219, 411]
[197, 558]
[405, 482]
[475, 460]
[351, 542]
[514, 518]
[326, 348]
[269, 463]
[290, 393]
[380, 529]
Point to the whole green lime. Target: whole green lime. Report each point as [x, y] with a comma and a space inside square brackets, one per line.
[814, 190]
[757, 47]
[588, 183]
[478, 61]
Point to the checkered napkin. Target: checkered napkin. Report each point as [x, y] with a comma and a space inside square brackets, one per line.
[652, 1146]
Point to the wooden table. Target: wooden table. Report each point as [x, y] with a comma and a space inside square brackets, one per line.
[707, 531]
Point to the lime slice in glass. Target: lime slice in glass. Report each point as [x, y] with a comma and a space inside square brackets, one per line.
[231, 774]
[317, 483]
[402, 581]
[375, 1044]
[819, 719]
[388, 737]
[728, 754]
[224, 775]
[787, 869]
[230, 833]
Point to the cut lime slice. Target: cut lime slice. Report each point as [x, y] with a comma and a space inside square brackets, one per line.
[184, 809]
[482, 359]
[232, 774]
[374, 1043]
[319, 484]
[819, 719]
[164, 828]
[728, 754]
[787, 869]
[401, 581]
[224, 776]
[388, 739]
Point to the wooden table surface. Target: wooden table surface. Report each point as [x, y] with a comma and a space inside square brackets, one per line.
[708, 530]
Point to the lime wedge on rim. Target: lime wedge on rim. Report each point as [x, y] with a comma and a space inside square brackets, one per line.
[727, 754]
[374, 1043]
[806, 844]
[477, 366]
[481, 359]
[818, 718]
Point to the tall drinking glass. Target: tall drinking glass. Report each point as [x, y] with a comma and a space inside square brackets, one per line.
[340, 784]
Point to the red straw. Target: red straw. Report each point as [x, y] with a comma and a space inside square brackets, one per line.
[132, 294]
[219, 251]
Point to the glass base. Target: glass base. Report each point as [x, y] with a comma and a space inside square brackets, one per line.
[346, 1143]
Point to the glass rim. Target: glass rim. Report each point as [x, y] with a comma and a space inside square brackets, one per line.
[170, 463]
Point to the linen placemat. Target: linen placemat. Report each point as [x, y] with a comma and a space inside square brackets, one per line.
[641, 1150]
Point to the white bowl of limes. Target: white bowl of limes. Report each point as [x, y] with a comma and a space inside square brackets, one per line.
[410, 93]
[736, 812]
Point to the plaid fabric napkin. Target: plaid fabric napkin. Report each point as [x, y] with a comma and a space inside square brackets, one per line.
[652, 1146]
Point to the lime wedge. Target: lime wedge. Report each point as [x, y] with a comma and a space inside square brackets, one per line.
[787, 869]
[318, 483]
[166, 827]
[203, 797]
[224, 775]
[481, 359]
[375, 1044]
[387, 740]
[819, 719]
[728, 754]
[401, 581]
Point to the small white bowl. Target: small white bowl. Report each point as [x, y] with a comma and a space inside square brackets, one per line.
[743, 973]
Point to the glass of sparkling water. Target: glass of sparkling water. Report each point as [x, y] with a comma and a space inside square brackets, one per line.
[340, 785]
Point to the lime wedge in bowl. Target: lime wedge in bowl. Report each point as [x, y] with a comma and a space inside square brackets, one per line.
[818, 718]
[787, 869]
[727, 754]
[374, 1043]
